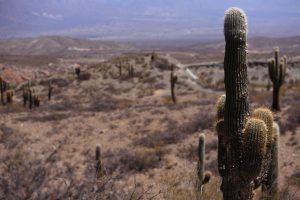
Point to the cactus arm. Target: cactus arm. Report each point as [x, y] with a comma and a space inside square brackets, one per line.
[271, 67]
[276, 64]
[265, 115]
[270, 183]
[99, 169]
[253, 148]
[222, 147]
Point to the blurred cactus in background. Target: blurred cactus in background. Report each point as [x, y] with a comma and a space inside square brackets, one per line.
[99, 169]
[173, 81]
[77, 71]
[277, 71]
[50, 88]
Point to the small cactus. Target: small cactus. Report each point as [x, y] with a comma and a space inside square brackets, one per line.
[77, 71]
[270, 183]
[130, 71]
[153, 56]
[50, 88]
[3, 87]
[25, 96]
[36, 101]
[277, 71]
[30, 98]
[173, 81]
[9, 96]
[202, 178]
[99, 169]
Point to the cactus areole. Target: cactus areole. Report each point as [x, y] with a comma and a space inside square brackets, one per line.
[234, 187]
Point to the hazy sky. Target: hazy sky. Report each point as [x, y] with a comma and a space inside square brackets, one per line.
[144, 19]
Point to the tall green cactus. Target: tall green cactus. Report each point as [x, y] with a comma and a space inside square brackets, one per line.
[277, 70]
[242, 140]
[173, 81]
[99, 169]
[270, 183]
[202, 178]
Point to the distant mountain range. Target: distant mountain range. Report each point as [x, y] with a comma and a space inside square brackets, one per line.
[59, 46]
[64, 46]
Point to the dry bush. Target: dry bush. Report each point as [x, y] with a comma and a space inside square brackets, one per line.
[162, 64]
[65, 105]
[59, 82]
[174, 132]
[23, 177]
[191, 152]
[292, 121]
[45, 117]
[103, 105]
[84, 76]
[183, 187]
[294, 179]
[124, 160]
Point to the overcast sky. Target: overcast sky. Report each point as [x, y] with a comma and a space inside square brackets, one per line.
[144, 19]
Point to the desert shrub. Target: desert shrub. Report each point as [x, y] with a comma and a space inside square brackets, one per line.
[124, 160]
[294, 179]
[60, 82]
[24, 177]
[183, 187]
[45, 118]
[191, 152]
[84, 76]
[174, 132]
[104, 105]
[292, 121]
[9, 137]
[162, 64]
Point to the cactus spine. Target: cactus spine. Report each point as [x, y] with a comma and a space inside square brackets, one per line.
[270, 183]
[99, 170]
[277, 70]
[242, 145]
[173, 81]
[202, 178]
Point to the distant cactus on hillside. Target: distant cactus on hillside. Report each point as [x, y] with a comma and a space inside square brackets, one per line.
[153, 56]
[50, 88]
[77, 71]
[173, 81]
[99, 169]
[277, 71]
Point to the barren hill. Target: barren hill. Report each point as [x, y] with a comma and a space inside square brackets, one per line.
[59, 46]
